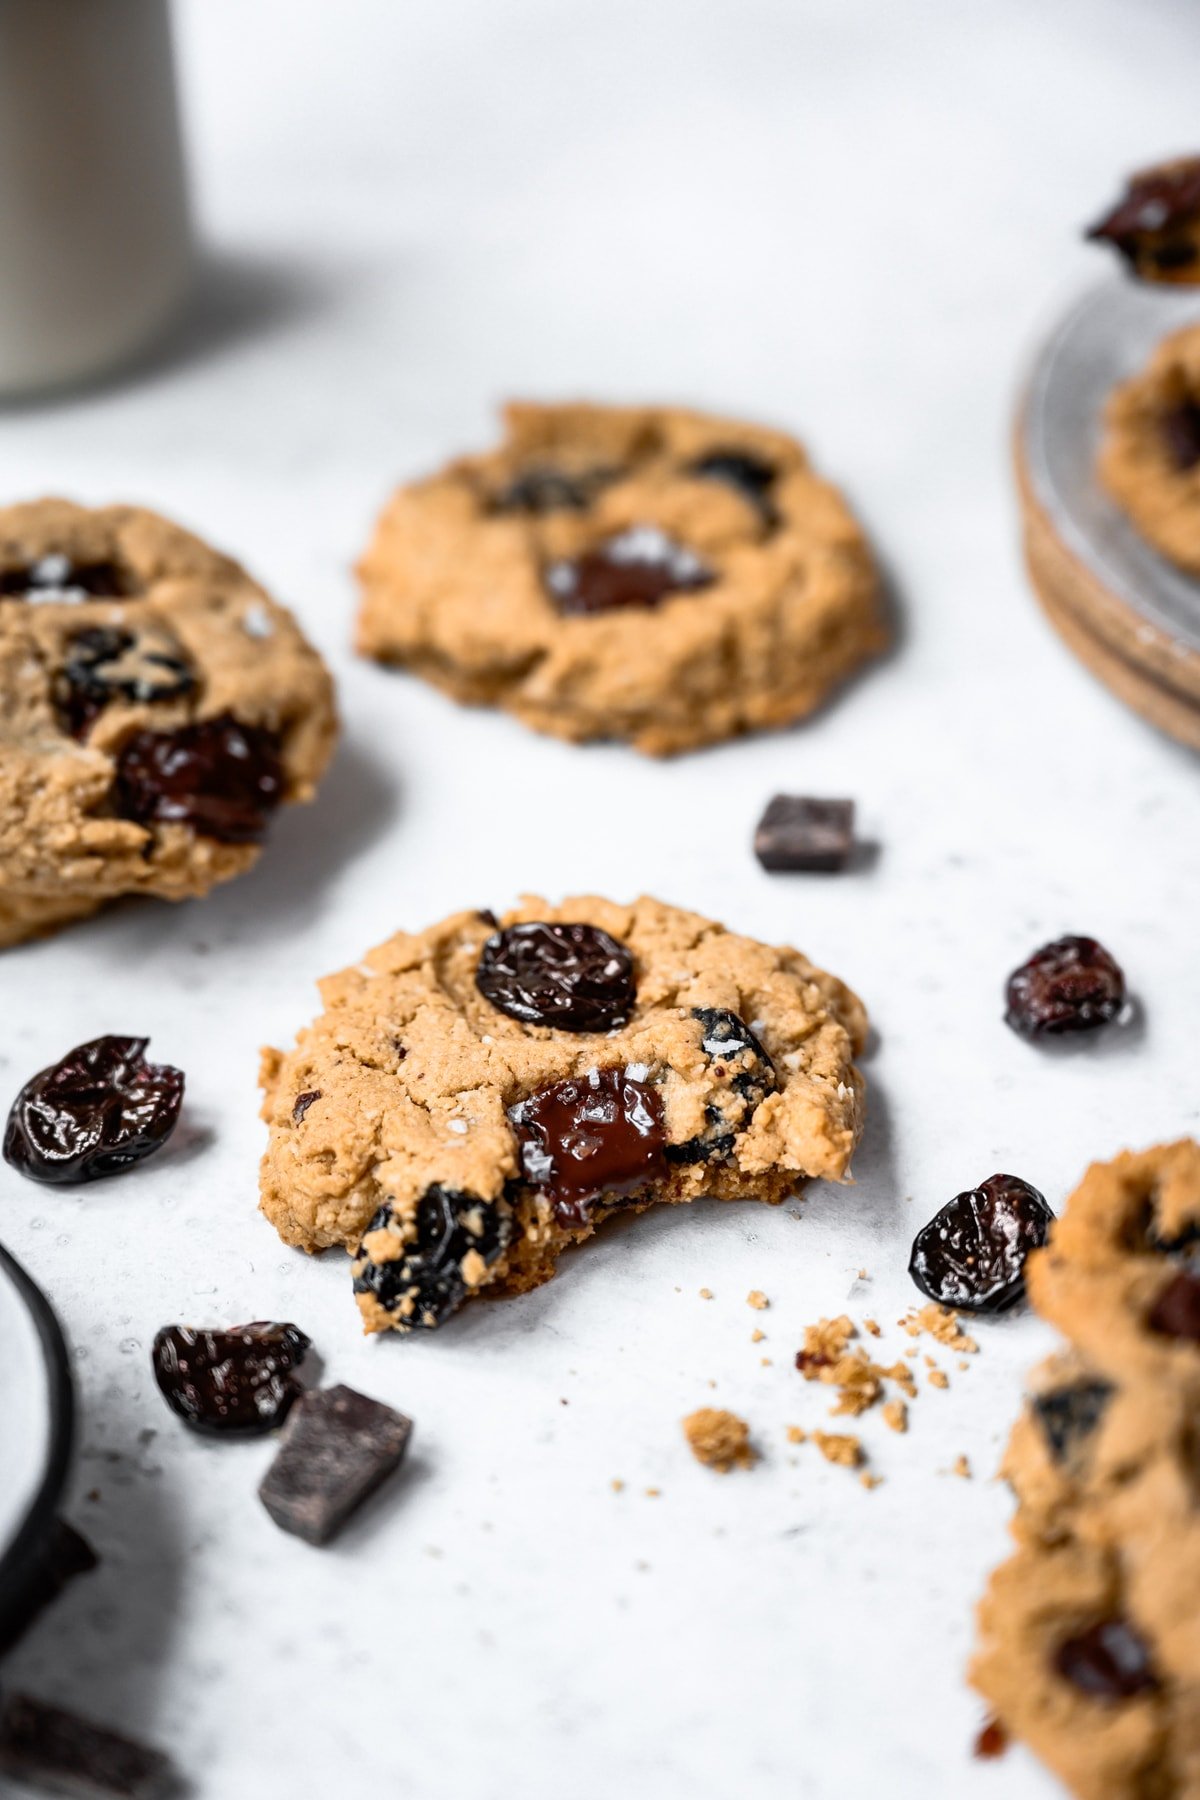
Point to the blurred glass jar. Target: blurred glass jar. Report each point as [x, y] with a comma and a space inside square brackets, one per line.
[95, 231]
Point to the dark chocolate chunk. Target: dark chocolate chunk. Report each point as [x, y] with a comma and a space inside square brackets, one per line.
[574, 977]
[799, 833]
[972, 1253]
[1108, 1661]
[1180, 426]
[230, 1383]
[1072, 984]
[1176, 1311]
[302, 1102]
[337, 1447]
[100, 1109]
[57, 578]
[106, 663]
[222, 778]
[1155, 224]
[1069, 1415]
[748, 1075]
[751, 476]
[543, 488]
[638, 567]
[57, 1752]
[591, 1137]
[415, 1270]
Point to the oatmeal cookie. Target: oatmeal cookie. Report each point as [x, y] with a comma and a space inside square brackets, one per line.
[640, 573]
[1150, 456]
[155, 707]
[477, 1097]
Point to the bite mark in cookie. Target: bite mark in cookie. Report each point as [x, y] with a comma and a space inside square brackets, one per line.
[460, 1146]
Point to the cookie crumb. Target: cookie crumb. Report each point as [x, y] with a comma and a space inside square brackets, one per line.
[938, 1378]
[718, 1439]
[962, 1468]
[617, 1485]
[847, 1451]
[872, 1326]
[706, 1293]
[863, 1276]
[653, 1493]
[868, 1480]
[757, 1336]
[796, 1434]
[824, 1343]
[895, 1415]
[757, 1299]
[941, 1323]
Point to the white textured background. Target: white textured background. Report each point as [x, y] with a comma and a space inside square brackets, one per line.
[848, 217]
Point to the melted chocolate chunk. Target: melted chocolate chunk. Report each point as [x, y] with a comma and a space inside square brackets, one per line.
[57, 578]
[1153, 224]
[337, 1447]
[420, 1279]
[638, 567]
[219, 777]
[1072, 984]
[1180, 426]
[1176, 1311]
[1109, 1661]
[542, 488]
[741, 1063]
[229, 1383]
[972, 1253]
[100, 1109]
[573, 977]
[302, 1102]
[1069, 1415]
[594, 1136]
[751, 476]
[106, 663]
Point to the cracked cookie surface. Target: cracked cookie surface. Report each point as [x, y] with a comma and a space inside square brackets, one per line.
[157, 706]
[649, 574]
[454, 1148]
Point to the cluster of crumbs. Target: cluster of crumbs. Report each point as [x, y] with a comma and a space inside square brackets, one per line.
[719, 1439]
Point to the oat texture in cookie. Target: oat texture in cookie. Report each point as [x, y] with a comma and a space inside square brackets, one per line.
[477, 1097]
[156, 707]
[654, 575]
[1150, 455]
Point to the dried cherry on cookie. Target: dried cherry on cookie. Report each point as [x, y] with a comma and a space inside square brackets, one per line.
[234, 1382]
[1069, 1415]
[106, 663]
[1109, 1661]
[419, 1268]
[220, 777]
[1180, 427]
[94, 1113]
[751, 476]
[573, 977]
[1072, 984]
[56, 578]
[1176, 1311]
[746, 1074]
[638, 567]
[972, 1253]
[593, 1136]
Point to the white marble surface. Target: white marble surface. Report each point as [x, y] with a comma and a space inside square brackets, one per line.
[846, 216]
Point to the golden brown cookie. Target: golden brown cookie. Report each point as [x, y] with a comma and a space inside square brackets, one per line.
[1150, 457]
[155, 707]
[649, 574]
[477, 1097]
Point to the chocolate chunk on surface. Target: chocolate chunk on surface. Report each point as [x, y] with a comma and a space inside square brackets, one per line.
[57, 1752]
[573, 977]
[798, 833]
[972, 1253]
[593, 1136]
[99, 1110]
[338, 1446]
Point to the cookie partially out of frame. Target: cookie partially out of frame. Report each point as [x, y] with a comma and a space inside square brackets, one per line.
[648, 574]
[156, 706]
[1150, 456]
[477, 1097]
